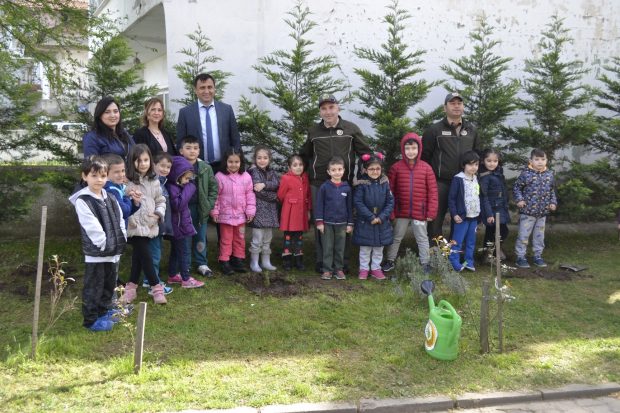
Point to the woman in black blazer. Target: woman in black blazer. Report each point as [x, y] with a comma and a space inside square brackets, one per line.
[152, 133]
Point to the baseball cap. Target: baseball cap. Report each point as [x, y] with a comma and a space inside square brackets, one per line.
[327, 98]
[452, 95]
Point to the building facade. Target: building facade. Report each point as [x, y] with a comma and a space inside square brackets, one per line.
[242, 31]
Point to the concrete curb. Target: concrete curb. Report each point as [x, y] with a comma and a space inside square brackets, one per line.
[574, 391]
[474, 400]
[436, 403]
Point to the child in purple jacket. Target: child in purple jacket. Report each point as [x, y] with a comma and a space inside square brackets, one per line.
[181, 188]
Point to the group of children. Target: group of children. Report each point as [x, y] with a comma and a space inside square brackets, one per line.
[480, 196]
[172, 198]
[146, 201]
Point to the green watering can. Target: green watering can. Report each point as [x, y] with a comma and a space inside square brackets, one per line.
[443, 327]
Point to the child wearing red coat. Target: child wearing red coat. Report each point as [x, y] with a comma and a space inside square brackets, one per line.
[414, 186]
[294, 193]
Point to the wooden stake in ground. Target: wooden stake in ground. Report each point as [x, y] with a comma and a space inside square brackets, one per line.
[37, 288]
[500, 299]
[484, 308]
[137, 355]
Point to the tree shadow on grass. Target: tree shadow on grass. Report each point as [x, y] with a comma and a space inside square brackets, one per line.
[26, 397]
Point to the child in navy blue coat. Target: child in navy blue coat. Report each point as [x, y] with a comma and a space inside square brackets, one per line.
[464, 205]
[333, 215]
[373, 202]
[493, 197]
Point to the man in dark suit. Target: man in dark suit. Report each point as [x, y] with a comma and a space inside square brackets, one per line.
[215, 126]
[211, 121]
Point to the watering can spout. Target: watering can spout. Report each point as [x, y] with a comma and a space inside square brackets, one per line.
[431, 302]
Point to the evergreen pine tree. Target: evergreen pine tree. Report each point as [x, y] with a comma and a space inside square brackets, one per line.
[478, 77]
[33, 33]
[113, 73]
[296, 79]
[41, 30]
[592, 192]
[391, 91]
[608, 99]
[554, 94]
[199, 60]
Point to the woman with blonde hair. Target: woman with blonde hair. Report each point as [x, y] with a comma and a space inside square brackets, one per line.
[152, 134]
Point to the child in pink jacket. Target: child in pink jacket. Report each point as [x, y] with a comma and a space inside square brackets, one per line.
[235, 206]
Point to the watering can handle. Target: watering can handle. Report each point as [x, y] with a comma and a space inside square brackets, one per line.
[444, 305]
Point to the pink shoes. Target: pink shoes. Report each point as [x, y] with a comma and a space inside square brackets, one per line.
[191, 282]
[131, 292]
[175, 279]
[158, 294]
[377, 274]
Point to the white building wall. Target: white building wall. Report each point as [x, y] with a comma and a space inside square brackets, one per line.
[241, 31]
[156, 72]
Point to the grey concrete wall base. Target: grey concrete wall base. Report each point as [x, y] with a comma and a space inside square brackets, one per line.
[421, 404]
[580, 390]
[473, 400]
[310, 407]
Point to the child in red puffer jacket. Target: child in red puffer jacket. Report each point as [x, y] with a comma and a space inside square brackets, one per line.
[414, 186]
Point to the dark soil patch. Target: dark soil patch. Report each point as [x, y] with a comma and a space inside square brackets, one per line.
[555, 274]
[22, 279]
[279, 284]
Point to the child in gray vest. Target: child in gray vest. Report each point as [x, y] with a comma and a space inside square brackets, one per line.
[103, 241]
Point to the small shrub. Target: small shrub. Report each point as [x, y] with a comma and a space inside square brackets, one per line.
[440, 254]
[408, 268]
[59, 284]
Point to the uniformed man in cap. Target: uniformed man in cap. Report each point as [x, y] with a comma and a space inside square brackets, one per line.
[332, 136]
[443, 143]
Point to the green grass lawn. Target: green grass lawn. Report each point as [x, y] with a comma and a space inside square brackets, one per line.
[222, 346]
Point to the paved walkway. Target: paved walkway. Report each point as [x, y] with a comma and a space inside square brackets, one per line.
[574, 398]
[610, 404]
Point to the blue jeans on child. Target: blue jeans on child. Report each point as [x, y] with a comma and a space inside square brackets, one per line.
[155, 245]
[528, 225]
[180, 257]
[198, 246]
[464, 232]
